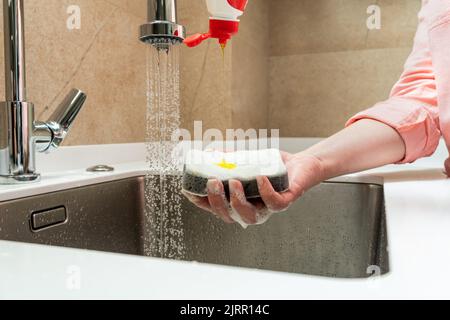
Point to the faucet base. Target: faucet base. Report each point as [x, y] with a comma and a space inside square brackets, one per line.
[20, 179]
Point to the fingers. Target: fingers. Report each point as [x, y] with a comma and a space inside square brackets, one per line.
[274, 201]
[200, 202]
[218, 201]
[239, 203]
[251, 212]
[285, 156]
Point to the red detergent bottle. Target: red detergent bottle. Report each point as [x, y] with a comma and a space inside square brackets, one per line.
[223, 23]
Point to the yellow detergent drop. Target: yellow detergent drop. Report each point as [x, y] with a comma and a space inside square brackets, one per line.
[226, 165]
[223, 46]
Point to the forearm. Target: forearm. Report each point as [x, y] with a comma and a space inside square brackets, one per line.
[364, 145]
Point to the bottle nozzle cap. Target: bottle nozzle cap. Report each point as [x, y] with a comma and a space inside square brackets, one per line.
[222, 30]
[196, 39]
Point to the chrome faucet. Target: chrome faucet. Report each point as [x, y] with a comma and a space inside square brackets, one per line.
[21, 136]
[162, 29]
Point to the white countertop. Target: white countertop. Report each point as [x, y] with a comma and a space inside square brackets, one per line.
[418, 213]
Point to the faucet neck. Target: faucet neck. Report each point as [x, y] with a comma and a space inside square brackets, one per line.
[15, 69]
[21, 136]
[162, 10]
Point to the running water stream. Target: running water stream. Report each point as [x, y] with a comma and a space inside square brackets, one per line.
[164, 236]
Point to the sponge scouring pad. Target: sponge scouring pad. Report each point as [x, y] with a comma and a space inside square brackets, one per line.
[245, 166]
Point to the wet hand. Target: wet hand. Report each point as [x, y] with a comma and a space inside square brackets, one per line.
[304, 171]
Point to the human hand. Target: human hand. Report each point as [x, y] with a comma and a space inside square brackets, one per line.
[305, 171]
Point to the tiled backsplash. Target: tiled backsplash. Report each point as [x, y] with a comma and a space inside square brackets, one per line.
[229, 93]
[103, 58]
[301, 66]
[325, 64]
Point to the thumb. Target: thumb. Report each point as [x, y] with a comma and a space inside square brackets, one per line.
[447, 167]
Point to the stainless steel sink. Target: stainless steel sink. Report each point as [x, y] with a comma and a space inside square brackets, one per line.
[336, 229]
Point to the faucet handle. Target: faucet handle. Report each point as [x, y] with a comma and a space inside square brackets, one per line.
[62, 118]
[68, 109]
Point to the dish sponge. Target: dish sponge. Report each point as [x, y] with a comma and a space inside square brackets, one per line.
[245, 166]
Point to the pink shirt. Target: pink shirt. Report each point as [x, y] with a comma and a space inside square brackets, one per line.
[419, 104]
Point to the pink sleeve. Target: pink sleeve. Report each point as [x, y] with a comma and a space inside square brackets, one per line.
[437, 15]
[412, 107]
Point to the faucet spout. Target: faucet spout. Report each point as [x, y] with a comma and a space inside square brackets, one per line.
[162, 29]
[20, 134]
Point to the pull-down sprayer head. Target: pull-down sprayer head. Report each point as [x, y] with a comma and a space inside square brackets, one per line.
[162, 30]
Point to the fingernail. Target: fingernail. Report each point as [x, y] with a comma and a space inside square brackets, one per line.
[236, 192]
[233, 186]
[260, 180]
[214, 187]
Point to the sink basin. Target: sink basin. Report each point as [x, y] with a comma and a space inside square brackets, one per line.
[335, 230]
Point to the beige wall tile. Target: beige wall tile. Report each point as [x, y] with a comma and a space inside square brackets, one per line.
[255, 26]
[313, 95]
[250, 89]
[113, 73]
[232, 93]
[399, 24]
[330, 66]
[250, 84]
[314, 26]
[286, 51]
[206, 87]
[103, 58]
[205, 73]
[309, 26]
[136, 7]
